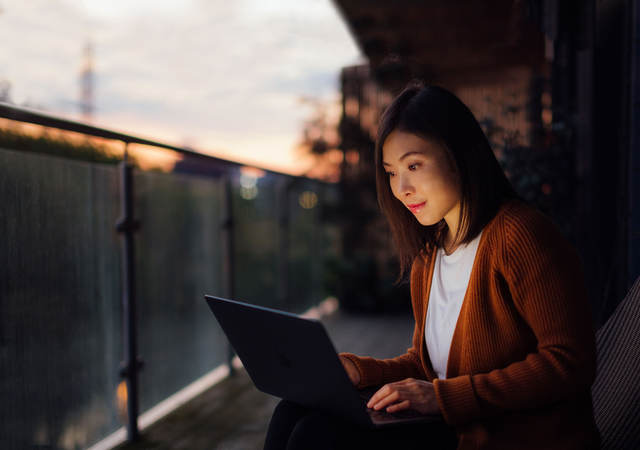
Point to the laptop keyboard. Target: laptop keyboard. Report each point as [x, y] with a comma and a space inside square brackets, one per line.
[382, 415]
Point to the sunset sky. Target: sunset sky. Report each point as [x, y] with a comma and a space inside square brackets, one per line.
[224, 77]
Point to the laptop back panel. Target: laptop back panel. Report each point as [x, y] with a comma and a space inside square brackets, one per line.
[289, 357]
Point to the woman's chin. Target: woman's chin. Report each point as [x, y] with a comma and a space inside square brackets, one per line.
[427, 221]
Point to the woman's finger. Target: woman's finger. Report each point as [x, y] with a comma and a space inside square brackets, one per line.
[405, 404]
[406, 394]
[387, 389]
[380, 393]
[393, 396]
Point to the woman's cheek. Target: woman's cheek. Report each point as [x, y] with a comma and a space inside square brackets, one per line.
[394, 189]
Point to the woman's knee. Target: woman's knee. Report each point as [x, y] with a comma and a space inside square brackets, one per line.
[318, 430]
[283, 420]
[287, 409]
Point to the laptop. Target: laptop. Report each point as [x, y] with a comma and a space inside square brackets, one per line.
[293, 358]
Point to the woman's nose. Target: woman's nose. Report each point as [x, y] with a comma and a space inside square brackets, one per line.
[406, 187]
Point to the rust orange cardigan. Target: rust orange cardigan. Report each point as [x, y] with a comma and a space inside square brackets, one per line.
[522, 357]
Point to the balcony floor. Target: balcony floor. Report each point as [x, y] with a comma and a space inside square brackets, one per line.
[234, 415]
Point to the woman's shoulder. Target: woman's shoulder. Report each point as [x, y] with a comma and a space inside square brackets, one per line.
[520, 226]
[515, 214]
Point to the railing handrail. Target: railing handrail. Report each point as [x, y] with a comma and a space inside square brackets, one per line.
[28, 115]
[127, 226]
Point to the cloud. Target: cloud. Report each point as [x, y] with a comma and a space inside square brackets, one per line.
[114, 10]
[197, 69]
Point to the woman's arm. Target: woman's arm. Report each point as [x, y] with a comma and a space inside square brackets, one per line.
[545, 280]
[372, 371]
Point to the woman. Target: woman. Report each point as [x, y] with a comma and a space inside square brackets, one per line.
[503, 345]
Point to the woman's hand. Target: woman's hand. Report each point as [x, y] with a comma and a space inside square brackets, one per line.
[351, 369]
[406, 394]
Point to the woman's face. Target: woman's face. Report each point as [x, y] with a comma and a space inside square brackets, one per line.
[422, 178]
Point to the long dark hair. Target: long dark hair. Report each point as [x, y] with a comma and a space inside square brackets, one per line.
[434, 113]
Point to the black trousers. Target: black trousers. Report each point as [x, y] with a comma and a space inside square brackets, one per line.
[294, 427]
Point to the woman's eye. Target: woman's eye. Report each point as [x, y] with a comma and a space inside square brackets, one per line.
[413, 166]
[390, 174]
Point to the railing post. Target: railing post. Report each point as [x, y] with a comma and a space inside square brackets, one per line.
[127, 226]
[229, 249]
[284, 186]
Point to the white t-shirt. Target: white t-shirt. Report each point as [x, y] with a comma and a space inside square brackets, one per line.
[450, 279]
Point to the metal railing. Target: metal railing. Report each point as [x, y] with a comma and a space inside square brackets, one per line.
[127, 225]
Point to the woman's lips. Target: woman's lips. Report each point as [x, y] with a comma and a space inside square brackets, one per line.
[415, 207]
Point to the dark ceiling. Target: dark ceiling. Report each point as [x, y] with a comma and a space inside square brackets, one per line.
[432, 39]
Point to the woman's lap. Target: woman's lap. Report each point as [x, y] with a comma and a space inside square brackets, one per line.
[296, 427]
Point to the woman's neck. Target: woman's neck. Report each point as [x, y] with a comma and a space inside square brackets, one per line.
[449, 246]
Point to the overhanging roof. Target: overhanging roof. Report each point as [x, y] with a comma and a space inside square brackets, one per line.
[431, 38]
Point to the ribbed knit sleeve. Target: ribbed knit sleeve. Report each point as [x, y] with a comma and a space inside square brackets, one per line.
[544, 278]
[374, 371]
